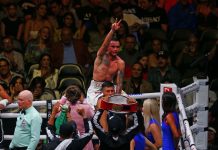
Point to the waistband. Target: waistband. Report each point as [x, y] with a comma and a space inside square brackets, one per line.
[96, 83]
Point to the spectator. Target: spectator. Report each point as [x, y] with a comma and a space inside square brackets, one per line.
[27, 8]
[212, 139]
[122, 33]
[47, 71]
[28, 125]
[56, 14]
[131, 19]
[5, 73]
[16, 85]
[35, 48]
[12, 25]
[205, 17]
[15, 58]
[69, 22]
[152, 122]
[37, 87]
[34, 25]
[163, 73]
[182, 16]
[136, 84]
[152, 14]
[170, 122]
[70, 51]
[128, 6]
[70, 6]
[87, 14]
[156, 47]
[130, 52]
[189, 55]
[98, 32]
[143, 59]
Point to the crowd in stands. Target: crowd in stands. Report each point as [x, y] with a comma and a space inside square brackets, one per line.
[47, 45]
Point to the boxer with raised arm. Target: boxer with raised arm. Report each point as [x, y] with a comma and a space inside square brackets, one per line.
[107, 65]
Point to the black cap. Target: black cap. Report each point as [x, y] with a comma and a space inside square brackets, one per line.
[67, 129]
[163, 54]
[115, 124]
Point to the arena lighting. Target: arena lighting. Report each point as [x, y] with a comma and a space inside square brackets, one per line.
[199, 87]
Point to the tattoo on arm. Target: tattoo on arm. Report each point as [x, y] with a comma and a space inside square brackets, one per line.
[106, 60]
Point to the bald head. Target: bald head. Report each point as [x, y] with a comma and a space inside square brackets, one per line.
[26, 94]
[25, 99]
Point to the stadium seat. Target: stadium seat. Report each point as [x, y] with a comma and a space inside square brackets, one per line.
[32, 67]
[65, 82]
[70, 70]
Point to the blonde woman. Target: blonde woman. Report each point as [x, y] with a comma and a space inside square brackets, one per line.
[152, 122]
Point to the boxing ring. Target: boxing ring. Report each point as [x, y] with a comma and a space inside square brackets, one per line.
[193, 137]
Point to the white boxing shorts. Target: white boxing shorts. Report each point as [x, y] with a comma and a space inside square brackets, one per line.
[94, 92]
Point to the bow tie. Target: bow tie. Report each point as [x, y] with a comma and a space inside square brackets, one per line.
[23, 112]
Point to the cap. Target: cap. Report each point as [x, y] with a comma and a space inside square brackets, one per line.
[68, 128]
[163, 54]
[115, 124]
[212, 129]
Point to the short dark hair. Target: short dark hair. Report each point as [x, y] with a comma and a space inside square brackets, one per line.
[35, 81]
[107, 84]
[68, 129]
[14, 79]
[115, 38]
